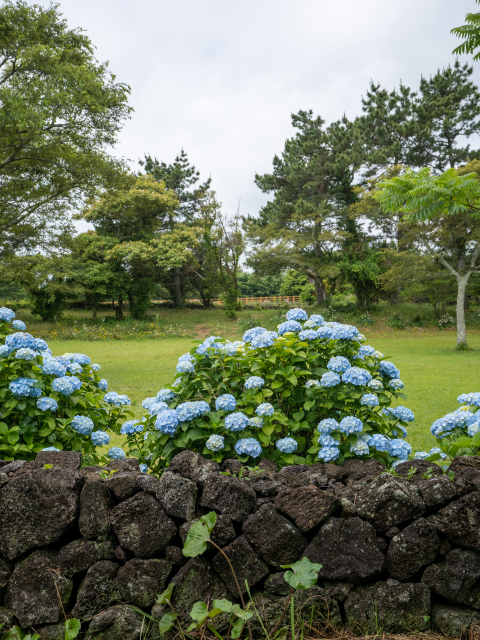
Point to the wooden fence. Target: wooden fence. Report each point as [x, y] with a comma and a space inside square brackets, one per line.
[251, 300]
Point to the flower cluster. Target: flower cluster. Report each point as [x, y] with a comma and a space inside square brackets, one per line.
[249, 447]
[82, 425]
[291, 326]
[226, 402]
[254, 382]
[119, 400]
[47, 404]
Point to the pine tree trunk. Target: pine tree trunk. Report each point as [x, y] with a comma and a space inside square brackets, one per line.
[177, 288]
[461, 329]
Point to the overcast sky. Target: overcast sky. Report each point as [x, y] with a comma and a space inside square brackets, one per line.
[220, 78]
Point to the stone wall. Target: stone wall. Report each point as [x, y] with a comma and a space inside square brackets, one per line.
[399, 554]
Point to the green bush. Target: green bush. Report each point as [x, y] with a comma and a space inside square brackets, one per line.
[52, 402]
[270, 395]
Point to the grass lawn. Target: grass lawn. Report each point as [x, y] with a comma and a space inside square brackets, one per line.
[433, 372]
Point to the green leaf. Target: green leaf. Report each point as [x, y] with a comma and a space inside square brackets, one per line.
[15, 633]
[292, 379]
[166, 622]
[72, 628]
[199, 611]
[303, 574]
[166, 596]
[222, 605]
[237, 627]
[199, 535]
[3, 429]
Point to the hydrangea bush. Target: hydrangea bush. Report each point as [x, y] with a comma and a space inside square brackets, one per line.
[52, 403]
[457, 433]
[311, 391]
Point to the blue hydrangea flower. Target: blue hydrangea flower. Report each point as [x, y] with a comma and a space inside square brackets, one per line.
[209, 343]
[165, 395]
[365, 351]
[236, 421]
[254, 382]
[473, 429]
[53, 367]
[256, 422]
[264, 409]
[327, 441]
[50, 449]
[95, 367]
[187, 357]
[297, 314]
[4, 351]
[357, 376]
[6, 314]
[147, 403]
[41, 345]
[263, 340]
[119, 400]
[251, 333]
[330, 379]
[379, 442]
[131, 426]
[465, 417]
[215, 442]
[229, 349]
[400, 449]
[64, 385]
[20, 341]
[325, 331]
[201, 408]
[26, 354]
[287, 445]
[23, 387]
[316, 320]
[290, 326]
[435, 450]
[74, 367]
[100, 438]
[339, 364]
[47, 404]
[421, 455]
[360, 448]
[369, 399]
[248, 446]
[396, 384]
[226, 402]
[350, 424]
[388, 369]
[375, 384]
[102, 384]
[167, 422]
[328, 453]
[185, 411]
[116, 453]
[186, 366]
[312, 383]
[157, 407]
[345, 332]
[402, 413]
[19, 325]
[79, 358]
[82, 425]
[328, 425]
[399, 430]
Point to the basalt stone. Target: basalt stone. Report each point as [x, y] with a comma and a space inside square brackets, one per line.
[80, 554]
[421, 468]
[5, 571]
[365, 473]
[63, 459]
[307, 506]
[412, 549]
[148, 483]
[349, 510]
[314, 602]
[437, 491]
[228, 495]
[127, 465]
[347, 550]
[338, 590]
[142, 526]
[95, 504]
[294, 480]
[97, 591]
[268, 465]
[177, 495]
[116, 623]
[30, 518]
[400, 608]
[32, 593]
[293, 470]
[175, 555]
[245, 562]
[7, 618]
[121, 554]
[195, 582]
[459, 521]
[453, 621]
[267, 488]
[456, 578]
[389, 501]
[276, 584]
[53, 631]
[191, 465]
[3, 479]
[464, 461]
[222, 533]
[142, 580]
[273, 537]
[123, 485]
[13, 466]
[467, 480]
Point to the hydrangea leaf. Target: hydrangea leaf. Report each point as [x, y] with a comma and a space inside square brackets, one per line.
[72, 628]
[166, 596]
[199, 611]
[199, 535]
[303, 574]
[166, 622]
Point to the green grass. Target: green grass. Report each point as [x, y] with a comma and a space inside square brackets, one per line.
[433, 372]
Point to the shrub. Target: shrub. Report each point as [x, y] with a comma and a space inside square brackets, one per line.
[446, 321]
[396, 322]
[457, 433]
[51, 402]
[297, 395]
